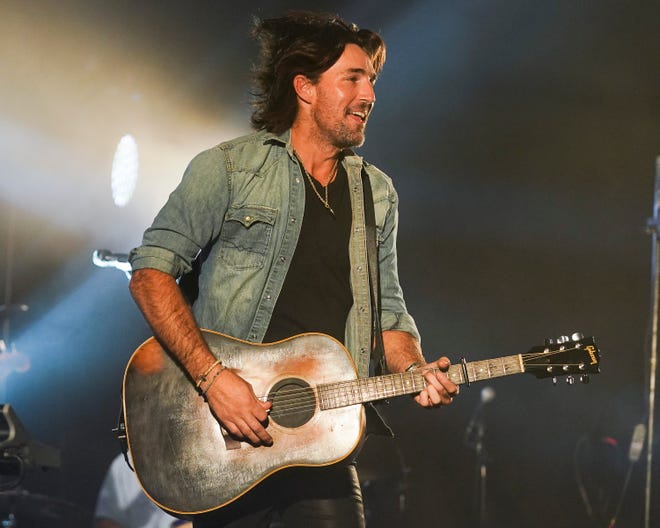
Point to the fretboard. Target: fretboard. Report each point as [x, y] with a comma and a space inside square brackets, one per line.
[345, 393]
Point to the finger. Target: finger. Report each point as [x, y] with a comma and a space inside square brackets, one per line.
[440, 382]
[438, 397]
[448, 385]
[443, 364]
[254, 432]
[422, 399]
[261, 411]
[257, 427]
[232, 429]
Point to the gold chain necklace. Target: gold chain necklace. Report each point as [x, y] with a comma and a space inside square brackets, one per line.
[325, 201]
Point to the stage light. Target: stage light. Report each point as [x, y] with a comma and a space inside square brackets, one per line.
[124, 170]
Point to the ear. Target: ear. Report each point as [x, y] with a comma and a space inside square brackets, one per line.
[305, 88]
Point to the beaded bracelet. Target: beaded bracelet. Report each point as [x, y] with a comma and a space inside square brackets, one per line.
[202, 378]
[212, 380]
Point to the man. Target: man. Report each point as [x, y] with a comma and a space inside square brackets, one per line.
[275, 222]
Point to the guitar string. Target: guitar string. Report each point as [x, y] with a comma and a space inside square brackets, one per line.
[342, 386]
[342, 391]
[288, 401]
[353, 385]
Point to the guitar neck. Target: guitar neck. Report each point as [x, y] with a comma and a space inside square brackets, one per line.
[345, 393]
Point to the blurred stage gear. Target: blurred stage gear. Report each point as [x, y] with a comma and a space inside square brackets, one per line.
[487, 395]
[653, 228]
[10, 359]
[104, 258]
[19, 452]
[21, 509]
[474, 437]
[635, 451]
[599, 463]
[383, 477]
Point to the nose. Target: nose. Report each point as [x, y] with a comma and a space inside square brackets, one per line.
[367, 93]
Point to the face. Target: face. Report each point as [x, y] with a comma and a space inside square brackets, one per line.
[344, 97]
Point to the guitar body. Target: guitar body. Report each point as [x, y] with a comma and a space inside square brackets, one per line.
[186, 462]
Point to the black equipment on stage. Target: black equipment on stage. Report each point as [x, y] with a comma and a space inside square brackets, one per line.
[19, 452]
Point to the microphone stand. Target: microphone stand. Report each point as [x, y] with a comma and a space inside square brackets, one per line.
[653, 228]
[482, 471]
[474, 438]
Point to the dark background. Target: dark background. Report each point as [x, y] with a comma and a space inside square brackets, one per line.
[522, 139]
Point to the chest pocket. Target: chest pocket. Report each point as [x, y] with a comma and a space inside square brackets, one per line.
[246, 235]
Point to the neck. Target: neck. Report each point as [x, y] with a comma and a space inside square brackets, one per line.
[319, 160]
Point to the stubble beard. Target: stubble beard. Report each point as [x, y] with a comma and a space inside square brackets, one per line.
[339, 134]
[344, 138]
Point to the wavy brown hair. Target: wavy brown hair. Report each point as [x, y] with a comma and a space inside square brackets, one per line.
[306, 43]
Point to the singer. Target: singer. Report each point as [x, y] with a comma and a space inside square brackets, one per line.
[276, 222]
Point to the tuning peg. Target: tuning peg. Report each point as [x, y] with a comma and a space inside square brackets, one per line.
[570, 380]
[549, 341]
[577, 336]
[554, 380]
[563, 339]
[584, 378]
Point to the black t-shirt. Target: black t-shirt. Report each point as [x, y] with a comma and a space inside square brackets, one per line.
[316, 295]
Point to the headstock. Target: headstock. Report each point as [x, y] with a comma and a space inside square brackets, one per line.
[565, 356]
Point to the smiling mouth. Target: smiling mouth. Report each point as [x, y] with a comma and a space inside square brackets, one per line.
[362, 116]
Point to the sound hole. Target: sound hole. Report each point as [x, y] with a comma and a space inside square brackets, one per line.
[293, 402]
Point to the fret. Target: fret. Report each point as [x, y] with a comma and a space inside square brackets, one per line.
[381, 387]
[418, 378]
[327, 398]
[407, 382]
[361, 390]
[371, 393]
[369, 389]
[320, 397]
[396, 386]
[393, 384]
[397, 382]
[354, 393]
[344, 395]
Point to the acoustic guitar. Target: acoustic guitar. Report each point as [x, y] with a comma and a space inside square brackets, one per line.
[187, 463]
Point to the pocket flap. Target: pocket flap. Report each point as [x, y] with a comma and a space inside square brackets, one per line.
[251, 214]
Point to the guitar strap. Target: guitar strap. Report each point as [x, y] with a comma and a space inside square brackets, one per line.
[378, 349]
[376, 425]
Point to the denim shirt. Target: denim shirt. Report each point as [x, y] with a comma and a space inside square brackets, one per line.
[239, 209]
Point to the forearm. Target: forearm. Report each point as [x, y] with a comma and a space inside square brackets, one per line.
[401, 350]
[159, 298]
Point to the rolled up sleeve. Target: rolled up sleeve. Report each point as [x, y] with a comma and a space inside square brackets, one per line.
[394, 314]
[189, 220]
